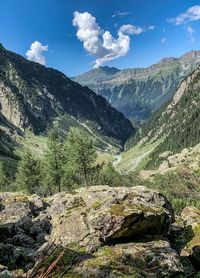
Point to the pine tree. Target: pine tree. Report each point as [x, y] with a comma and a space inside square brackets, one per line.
[52, 164]
[4, 179]
[28, 174]
[81, 155]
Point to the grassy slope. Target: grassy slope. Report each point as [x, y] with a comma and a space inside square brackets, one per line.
[135, 158]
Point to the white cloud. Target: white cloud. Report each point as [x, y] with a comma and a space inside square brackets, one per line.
[190, 30]
[130, 29]
[164, 40]
[99, 43]
[35, 53]
[192, 14]
[120, 14]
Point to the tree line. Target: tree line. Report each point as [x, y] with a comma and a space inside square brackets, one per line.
[65, 165]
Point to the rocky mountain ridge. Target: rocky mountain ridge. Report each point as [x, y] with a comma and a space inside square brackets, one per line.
[139, 92]
[97, 231]
[32, 97]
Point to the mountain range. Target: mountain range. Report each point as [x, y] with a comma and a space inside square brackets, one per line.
[33, 97]
[36, 98]
[176, 125]
[138, 92]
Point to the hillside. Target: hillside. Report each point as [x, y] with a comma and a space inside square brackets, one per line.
[176, 124]
[32, 97]
[138, 92]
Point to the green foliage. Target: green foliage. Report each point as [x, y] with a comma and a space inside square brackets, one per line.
[4, 179]
[182, 188]
[178, 126]
[80, 157]
[107, 175]
[52, 164]
[28, 174]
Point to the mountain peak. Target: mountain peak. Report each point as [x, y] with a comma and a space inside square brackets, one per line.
[109, 70]
[191, 54]
[167, 60]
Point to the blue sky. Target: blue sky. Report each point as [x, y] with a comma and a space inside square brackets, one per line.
[147, 37]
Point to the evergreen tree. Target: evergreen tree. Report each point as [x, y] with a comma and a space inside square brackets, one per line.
[52, 164]
[4, 179]
[81, 156]
[28, 174]
[109, 175]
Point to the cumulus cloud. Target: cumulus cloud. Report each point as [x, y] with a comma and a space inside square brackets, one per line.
[101, 44]
[35, 53]
[120, 14]
[192, 14]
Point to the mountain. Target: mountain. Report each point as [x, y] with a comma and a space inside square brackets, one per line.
[138, 92]
[32, 97]
[96, 75]
[176, 125]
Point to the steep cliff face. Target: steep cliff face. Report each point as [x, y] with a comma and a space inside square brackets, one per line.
[139, 92]
[32, 96]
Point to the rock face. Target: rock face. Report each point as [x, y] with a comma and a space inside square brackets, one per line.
[150, 259]
[96, 231]
[23, 227]
[107, 214]
[32, 97]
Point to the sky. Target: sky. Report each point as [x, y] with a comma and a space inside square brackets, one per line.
[75, 36]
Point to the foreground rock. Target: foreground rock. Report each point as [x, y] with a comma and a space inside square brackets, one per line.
[105, 215]
[149, 259]
[23, 227]
[97, 231]
[189, 240]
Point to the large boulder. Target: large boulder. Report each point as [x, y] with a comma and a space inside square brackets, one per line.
[102, 214]
[24, 225]
[148, 259]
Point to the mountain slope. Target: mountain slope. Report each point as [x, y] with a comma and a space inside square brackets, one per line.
[177, 123]
[139, 92]
[33, 96]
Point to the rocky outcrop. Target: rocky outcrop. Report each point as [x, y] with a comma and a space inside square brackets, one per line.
[24, 224]
[97, 231]
[108, 214]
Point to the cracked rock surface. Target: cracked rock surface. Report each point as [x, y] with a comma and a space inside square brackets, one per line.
[97, 231]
